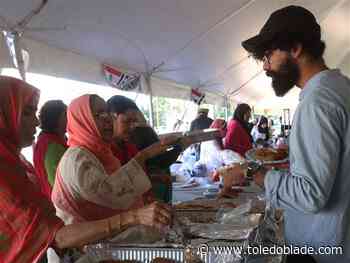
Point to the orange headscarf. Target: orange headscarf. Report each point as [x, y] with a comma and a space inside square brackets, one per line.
[219, 124]
[14, 94]
[27, 220]
[82, 131]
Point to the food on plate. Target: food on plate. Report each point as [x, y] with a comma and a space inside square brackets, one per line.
[270, 154]
[204, 204]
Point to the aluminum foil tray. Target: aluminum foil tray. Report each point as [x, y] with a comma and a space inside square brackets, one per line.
[269, 232]
[100, 252]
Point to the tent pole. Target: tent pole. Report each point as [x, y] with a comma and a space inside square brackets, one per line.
[226, 108]
[151, 109]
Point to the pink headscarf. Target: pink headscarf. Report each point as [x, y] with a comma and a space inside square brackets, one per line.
[14, 95]
[219, 124]
[27, 220]
[82, 131]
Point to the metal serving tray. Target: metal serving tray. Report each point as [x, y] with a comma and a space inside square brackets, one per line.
[100, 252]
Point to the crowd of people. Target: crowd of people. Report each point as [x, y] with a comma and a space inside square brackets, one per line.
[85, 157]
[88, 187]
[237, 137]
[99, 169]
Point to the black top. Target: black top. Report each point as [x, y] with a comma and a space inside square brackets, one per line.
[200, 123]
[143, 137]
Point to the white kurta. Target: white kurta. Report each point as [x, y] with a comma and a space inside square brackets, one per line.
[85, 178]
[213, 157]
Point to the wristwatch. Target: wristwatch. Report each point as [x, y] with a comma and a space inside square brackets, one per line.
[253, 168]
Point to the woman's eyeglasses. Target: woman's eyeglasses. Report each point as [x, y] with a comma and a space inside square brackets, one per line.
[102, 115]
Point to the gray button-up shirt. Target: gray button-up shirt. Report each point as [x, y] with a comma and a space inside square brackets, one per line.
[315, 194]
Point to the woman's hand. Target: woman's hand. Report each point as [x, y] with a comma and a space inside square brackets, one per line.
[79, 234]
[156, 215]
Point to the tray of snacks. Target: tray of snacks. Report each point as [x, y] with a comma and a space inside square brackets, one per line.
[193, 242]
[202, 210]
[205, 204]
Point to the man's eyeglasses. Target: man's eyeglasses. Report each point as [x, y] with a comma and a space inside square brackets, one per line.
[267, 56]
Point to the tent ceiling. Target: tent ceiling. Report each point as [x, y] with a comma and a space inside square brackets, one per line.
[197, 40]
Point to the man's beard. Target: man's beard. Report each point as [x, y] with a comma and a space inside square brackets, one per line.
[285, 78]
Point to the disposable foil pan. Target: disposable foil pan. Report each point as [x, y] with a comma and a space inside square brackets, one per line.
[100, 252]
[105, 251]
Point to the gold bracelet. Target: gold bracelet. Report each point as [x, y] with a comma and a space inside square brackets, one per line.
[109, 227]
[136, 218]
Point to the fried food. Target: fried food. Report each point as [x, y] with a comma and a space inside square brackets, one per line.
[192, 206]
[270, 154]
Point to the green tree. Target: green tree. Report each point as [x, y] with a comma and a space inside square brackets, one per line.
[145, 111]
[219, 112]
[161, 107]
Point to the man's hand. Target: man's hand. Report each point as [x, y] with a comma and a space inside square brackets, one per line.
[233, 175]
[259, 176]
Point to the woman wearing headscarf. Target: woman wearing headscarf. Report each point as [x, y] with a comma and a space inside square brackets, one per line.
[126, 116]
[28, 224]
[51, 144]
[133, 134]
[260, 132]
[124, 112]
[210, 150]
[90, 182]
[238, 137]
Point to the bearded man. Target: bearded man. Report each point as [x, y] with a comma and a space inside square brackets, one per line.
[314, 193]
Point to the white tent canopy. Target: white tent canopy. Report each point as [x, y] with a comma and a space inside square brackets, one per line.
[196, 42]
